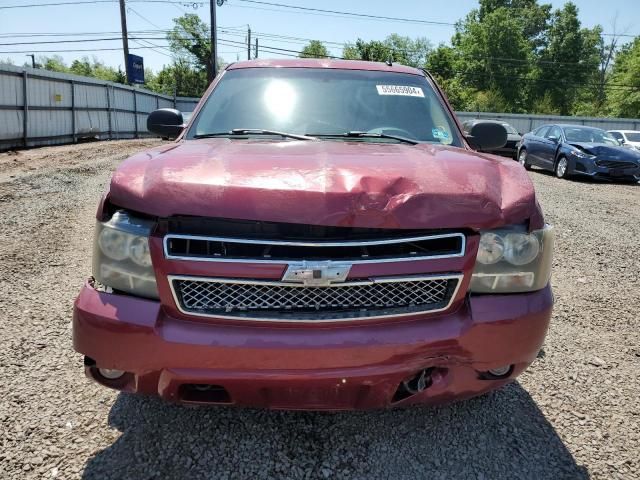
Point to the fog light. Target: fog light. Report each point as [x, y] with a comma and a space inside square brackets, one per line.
[110, 374]
[500, 371]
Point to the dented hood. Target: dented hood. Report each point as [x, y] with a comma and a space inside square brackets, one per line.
[334, 183]
[607, 152]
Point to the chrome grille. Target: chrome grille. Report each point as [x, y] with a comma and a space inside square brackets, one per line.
[265, 300]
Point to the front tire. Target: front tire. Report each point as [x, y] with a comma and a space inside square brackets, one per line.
[562, 167]
[522, 159]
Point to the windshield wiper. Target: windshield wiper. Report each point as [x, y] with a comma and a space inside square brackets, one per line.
[254, 131]
[358, 134]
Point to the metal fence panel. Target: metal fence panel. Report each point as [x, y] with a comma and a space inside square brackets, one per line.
[123, 124]
[90, 96]
[11, 91]
[122, 99]
[49, 123]
[146, 103]
[91, 123]
[165, 103]
[48, 93]
[187, 104]
[10, 125]
[525, 123]
[142, 123]
[63, 108]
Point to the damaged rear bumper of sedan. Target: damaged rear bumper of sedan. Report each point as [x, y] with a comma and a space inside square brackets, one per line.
[425, 358]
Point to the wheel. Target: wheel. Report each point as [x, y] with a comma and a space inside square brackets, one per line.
[562, 167]
[522, 158]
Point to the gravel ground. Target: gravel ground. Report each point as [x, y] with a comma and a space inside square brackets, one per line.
[574, 414]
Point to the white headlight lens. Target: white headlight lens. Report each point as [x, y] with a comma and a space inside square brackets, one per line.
[523, 266]
[121, 258]
[521, 248]
[491, 248]
[139, 251]
[114, 243]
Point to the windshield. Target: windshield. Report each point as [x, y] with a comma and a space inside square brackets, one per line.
[632, 136]
[326, 102]
[589, 135]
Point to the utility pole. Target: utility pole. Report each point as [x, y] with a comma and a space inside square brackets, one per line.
[125, 38]
[214, 40]
[248, 42]
[256, 56]
[33, 59]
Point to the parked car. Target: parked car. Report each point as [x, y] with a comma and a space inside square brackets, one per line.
[578, 150]
[627, 138]
[321, 236]
[510, 149]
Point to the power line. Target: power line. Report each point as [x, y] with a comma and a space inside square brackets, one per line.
[296, 53]
[300, 9]
[70, 50]
[372, 17]
[83, 40]
[351, 14]
[242, 34]
[82, 2]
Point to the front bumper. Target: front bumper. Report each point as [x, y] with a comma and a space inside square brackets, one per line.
[309, 367]
[589, 168]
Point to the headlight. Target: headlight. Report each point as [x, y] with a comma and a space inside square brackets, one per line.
[521, 248]
[512, 260]
[581, 154]
[121, 257]
[491, 249]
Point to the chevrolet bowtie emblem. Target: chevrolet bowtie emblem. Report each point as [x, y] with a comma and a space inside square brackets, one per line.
[317, 274]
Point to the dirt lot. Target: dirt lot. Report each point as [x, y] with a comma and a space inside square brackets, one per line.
[574, 414]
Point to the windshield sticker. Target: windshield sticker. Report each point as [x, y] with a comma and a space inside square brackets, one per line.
[440, 134]
[402, 90]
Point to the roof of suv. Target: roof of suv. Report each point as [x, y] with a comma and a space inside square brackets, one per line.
[325, 63]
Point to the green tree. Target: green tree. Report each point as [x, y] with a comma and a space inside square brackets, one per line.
[373, 51]
[54, 63]
[532, 17]
[97, 69]
[624, 91]
[442, 64]
[404, 50]
[413, 52]
[569, 60]
[190, 40]
[179, 77]
[82, 67]
[314, 49]
[494, 58]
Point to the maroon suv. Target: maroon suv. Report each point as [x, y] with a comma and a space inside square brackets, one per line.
[320, 236]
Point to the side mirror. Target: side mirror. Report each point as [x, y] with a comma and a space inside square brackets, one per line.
[487, 136]
[553, 139]
[165, 122]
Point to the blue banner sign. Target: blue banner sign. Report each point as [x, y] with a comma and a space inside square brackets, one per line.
[135, 69]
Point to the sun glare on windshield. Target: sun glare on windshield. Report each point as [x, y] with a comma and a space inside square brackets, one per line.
[280, 99]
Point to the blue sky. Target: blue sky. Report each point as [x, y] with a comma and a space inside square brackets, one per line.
[103, 21]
